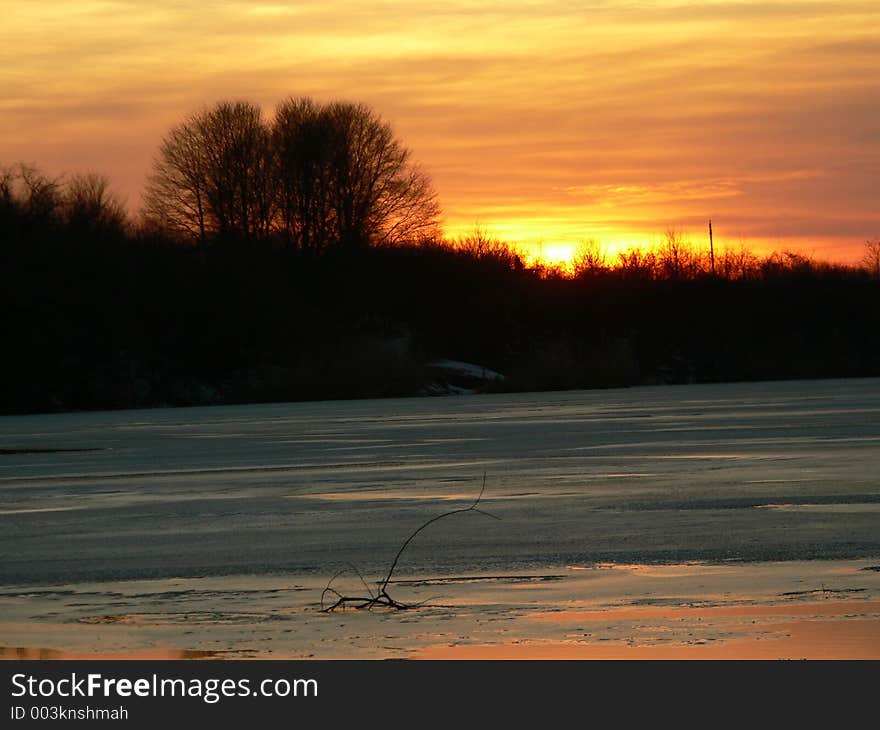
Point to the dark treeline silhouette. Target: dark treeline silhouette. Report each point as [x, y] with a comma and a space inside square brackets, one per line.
[304, 296]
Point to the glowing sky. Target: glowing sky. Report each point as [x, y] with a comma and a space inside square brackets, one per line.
[545, 120]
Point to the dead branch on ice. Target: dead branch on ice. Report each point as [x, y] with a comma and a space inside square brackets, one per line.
[381, 598]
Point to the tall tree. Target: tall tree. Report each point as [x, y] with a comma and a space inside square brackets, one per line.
[176, 195]
[345, 180]
[379, 195]
[302, 143]
[213, 175]
[871, 257]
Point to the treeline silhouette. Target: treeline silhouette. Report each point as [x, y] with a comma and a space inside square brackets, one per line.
[100, 311]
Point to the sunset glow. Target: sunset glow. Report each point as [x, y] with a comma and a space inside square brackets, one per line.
[550, 123]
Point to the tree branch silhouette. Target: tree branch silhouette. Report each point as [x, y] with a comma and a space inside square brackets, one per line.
[382, 597]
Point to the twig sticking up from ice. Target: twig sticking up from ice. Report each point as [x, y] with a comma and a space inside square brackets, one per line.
[381, 597]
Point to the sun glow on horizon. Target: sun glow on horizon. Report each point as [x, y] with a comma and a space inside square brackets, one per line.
[563, 251]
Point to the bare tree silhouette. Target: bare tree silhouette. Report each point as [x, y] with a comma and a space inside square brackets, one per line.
[678, 259]
[590, 259]
[345, 180]
[90, 208]
[42, 195]
[212, 175]
[318, 175]
[481, 245]
[302, 143]
[871, 257]
[637, 263]
[737, 263]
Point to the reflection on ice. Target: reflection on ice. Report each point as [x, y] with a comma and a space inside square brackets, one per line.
[847, 507]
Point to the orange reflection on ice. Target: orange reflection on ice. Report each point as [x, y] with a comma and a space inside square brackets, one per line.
[804, 609]
[31, 653]
[812, 630]
[839, 639]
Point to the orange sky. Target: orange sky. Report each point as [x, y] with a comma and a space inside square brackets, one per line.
[548, 121]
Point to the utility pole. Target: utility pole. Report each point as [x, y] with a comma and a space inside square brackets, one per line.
[711, 248]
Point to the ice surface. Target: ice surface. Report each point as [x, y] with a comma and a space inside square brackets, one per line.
[766, 471]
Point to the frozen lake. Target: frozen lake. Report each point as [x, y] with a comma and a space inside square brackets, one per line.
[742, 472]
